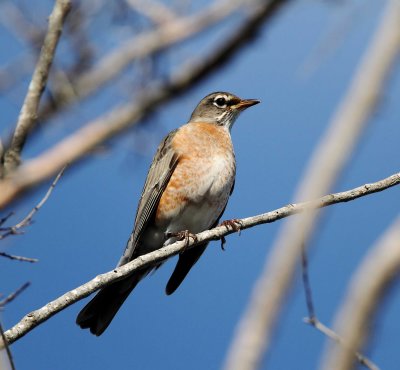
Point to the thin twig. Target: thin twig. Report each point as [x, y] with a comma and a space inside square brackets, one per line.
[332, 335]
[35, 318]
[14, 295]
[5, 218]
[379, 268]
[313, 320]
[27, 220]
[7, 348]
[18, 258]
[307, 285]
[13, 230]
[28, 114]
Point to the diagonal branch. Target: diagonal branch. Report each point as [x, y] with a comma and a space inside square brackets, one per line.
[313, 320]
[28, 114]
[35, 318]
[366, 362]
[7, 348]
[13, 295]
[16, 229]
[18, 258]
[74, 147]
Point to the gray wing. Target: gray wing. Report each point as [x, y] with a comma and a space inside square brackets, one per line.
[159, 174]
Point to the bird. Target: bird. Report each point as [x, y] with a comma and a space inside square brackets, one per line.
[186, 191]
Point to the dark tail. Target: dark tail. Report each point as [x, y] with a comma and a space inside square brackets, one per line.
[100, 311]
[186, 261]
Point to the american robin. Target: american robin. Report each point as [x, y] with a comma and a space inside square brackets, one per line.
[187, 188]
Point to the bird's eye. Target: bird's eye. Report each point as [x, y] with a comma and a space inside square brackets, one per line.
[220, 102]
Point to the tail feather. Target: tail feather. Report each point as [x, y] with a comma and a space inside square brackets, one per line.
[186, 261]
[99, 312]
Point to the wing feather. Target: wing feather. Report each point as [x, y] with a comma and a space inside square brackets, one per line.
[160, 172]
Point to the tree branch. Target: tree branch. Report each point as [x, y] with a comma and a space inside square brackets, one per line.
[28, 113]
[13, 230]
[7, 348]
[18, 258]
[255, 329]
[35, 318]
[103, 128]
[14, 295]
[313, 320]
[379, 268]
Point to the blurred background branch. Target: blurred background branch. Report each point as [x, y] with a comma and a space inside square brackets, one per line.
[28, 114]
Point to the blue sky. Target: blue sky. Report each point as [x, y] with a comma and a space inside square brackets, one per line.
[83, 228]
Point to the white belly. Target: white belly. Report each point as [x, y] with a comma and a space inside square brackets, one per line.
[208, 197]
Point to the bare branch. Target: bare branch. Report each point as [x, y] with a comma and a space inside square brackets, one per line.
[28, 113]
[336, 338]
[5, 218]
[13, 230]
[7, 348]
[255, 329]
[35, 318]
[14, 295]
[18, 258]
[379, 268]
[78, 144]
[314, 321]
[27, 220]
[307, 286]
[4, 302]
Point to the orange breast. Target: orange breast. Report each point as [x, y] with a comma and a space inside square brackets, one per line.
[199, 146]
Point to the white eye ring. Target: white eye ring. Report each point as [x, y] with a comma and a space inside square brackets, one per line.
[220, 101]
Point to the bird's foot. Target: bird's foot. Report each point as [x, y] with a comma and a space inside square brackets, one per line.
[223, 242]
[234, 224]
[182, 235]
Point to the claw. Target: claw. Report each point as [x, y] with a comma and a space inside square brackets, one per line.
[182, 235]
[235, 224]
[223, 242]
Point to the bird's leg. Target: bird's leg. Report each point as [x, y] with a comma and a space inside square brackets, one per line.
[182, 235]
[235, 224]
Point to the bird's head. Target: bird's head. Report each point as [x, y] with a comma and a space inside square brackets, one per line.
[221, 108]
